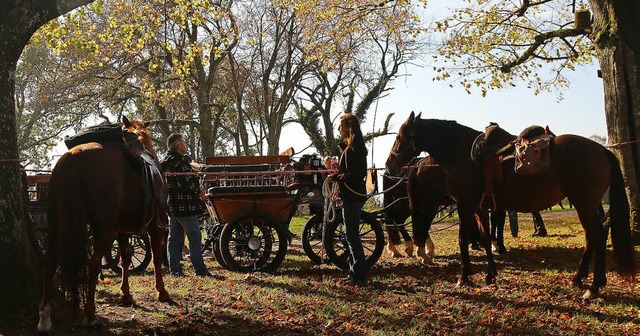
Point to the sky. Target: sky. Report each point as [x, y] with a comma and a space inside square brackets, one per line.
[581, 111]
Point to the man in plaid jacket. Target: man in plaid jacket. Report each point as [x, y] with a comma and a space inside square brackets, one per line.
[185, 204]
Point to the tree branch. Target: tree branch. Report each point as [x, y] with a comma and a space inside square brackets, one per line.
[538, 41]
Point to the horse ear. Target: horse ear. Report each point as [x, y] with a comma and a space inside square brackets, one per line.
[547, 131]
[146, 124]
[412, 116]
[418, 116]
[126, 122]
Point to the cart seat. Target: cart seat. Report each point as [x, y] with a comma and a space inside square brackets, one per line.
[239, 168]
[218, 190]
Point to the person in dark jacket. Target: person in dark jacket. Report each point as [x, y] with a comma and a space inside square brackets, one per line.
[185, 204]
[351, 176]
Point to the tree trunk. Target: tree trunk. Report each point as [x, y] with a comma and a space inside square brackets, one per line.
[20, 280]
[615, 28]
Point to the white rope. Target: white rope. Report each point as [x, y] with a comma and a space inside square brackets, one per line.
[330, 192]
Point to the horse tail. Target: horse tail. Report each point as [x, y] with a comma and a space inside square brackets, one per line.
[68, 219]
[623, 251]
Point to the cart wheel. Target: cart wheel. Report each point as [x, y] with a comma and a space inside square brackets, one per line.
[140, 256]
[253, 242]
[213, 243]
[312, 239]
[371, 235]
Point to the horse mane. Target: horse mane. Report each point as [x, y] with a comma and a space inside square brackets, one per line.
[443, 138]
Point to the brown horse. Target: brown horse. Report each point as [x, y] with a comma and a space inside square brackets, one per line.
[96, 191]
[580, 169]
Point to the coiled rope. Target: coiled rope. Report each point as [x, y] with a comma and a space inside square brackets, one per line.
[330, 191]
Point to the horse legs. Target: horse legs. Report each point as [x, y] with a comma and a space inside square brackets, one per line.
[408, 241]
[497, 231]
[394, 239]
[483, 226]
[466, 219]
[595, 235]
[421, 221]
[95, 266]
[125, 262]
[44, 323]
[157, 233]
[583, 266]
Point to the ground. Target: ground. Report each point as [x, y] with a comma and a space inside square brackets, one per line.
[532, 296]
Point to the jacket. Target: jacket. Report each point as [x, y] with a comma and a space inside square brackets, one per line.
[184, 191]
[352, 171]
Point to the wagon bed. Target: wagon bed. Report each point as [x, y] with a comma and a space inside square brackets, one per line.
[252, 200]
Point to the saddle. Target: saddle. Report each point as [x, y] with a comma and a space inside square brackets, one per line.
[152, 178]
[97, 133]
[530, 149]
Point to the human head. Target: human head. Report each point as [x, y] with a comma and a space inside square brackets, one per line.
[176, 143]
[350, 130]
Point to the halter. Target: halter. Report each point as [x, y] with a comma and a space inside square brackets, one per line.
[411, 147]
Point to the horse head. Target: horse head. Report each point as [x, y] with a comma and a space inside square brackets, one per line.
[404, 148]
[140, 129]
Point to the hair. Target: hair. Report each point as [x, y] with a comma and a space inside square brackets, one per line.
[173, 140]
[355, 139]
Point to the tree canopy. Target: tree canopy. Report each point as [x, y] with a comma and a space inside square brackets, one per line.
[492, 44]
[229, 74]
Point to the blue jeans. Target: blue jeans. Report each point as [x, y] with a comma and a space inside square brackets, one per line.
[358, 262]
[177, 229]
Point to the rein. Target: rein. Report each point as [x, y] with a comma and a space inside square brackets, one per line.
[400, 181]
[450, 214]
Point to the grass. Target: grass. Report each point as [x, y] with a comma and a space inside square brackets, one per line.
[533, 296]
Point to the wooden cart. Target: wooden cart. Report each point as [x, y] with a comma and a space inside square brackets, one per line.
[251, 201]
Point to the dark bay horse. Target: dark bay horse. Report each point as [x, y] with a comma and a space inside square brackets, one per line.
[396, 211]
[426, 188]
[96, 191]
[420, 196]
[580, 169]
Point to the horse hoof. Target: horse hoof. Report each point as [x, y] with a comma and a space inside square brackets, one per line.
[408, 248]
[431, 249]
[576, 283]
[126, 299]
[393, 252]
[463, 283]
[425, 260]
[590, 295]
[164, 297]
[490, 280]
[44, 324]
